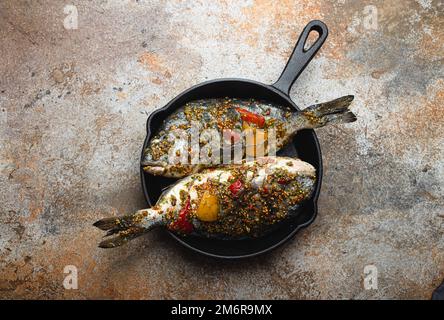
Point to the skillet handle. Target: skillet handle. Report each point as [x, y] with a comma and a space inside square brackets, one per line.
[300, 57]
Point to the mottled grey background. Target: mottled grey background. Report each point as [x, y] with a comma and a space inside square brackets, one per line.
[73, 110]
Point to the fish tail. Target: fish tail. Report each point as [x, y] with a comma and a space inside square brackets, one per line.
[122, 229]
[336, 111]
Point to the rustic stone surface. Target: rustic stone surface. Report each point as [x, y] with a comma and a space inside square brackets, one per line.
[73, 109]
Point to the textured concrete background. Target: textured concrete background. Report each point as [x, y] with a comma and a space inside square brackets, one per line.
[73, 110]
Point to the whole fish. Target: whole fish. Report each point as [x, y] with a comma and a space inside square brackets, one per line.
[233, 119]
[231, 202]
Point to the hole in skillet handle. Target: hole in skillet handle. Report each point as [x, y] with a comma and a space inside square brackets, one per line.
[300, 57]
[311, 40]
[305, 142]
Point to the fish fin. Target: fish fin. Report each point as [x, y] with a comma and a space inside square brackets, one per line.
[341, 118]
[336, 111]
[121, 238]
[110, 223]
[122, 229]
[165, 190]
[338, 105]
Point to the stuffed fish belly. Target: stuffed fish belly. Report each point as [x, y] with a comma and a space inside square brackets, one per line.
[182, 145]
[230, 202]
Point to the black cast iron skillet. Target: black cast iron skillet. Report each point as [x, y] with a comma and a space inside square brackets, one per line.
[305, 145]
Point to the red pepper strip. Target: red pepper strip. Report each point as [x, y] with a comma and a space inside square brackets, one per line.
[282, 181]
[251, 117]
[182, 224]
[235, 187]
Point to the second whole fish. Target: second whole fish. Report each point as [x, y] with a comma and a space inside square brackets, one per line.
[231, 202]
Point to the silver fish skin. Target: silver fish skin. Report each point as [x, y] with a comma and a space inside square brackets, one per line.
[231, 202]
[232, 119]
